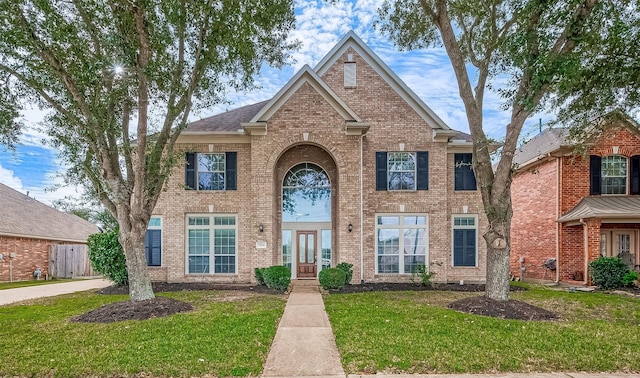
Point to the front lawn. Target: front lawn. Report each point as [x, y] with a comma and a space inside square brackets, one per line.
[414, 332]
[17, 284]
[228, 334]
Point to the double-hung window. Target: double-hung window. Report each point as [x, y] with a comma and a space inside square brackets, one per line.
[211, 171]
[402, 170]
[401, 243]
[153, 242]
[211, 244]
[465, 246]
[614, 174]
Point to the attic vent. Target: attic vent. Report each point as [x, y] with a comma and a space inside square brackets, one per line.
[349, 75]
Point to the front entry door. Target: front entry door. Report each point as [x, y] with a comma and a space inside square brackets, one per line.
[306, 254]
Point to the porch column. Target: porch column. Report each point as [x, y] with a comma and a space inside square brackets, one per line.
[592, 248]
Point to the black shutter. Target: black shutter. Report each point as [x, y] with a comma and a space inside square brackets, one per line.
[190, 170]
[422, 170]
[153, 247]
[231, 173]
[595, 167]
[635, 174]
[381, 170]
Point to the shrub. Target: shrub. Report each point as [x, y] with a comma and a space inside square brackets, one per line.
[629, 278]
[107, 257]
[346, 268]
[277, 277]
[421, 276]
[332, 278]
[260, 275]
[608, 272]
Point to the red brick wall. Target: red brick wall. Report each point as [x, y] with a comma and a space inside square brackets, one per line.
[571, 252]
[534, 226]
[30, 253]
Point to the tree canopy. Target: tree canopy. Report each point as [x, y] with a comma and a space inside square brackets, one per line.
[551, 53]
[121, 78]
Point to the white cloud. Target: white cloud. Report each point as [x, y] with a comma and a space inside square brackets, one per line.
[8, 178]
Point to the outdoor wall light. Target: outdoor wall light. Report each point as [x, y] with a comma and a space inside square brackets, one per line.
[261, 228]
[350, 227]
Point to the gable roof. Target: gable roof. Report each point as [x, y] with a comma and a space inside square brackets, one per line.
[604, 207]
[23, 216]
[305, 75]
[351, 40]
[231, 122]
[549, 141]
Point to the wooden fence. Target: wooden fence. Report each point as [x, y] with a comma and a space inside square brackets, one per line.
[69, 261]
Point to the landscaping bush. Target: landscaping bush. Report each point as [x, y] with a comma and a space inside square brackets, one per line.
[260, 275]
[332, 278]
[608, 272]
[346, 268]
[107, 257]
[421, 276]
[277, 277]
[629, 278]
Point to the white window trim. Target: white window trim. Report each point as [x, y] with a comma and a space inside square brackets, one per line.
[454, 227]
[211, 226]
[626, 184]
[415, 171]
[224, 171]
[401, 249]
[149, 227]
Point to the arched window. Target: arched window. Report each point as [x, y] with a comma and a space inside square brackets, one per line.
[306, 194]
[614, 175]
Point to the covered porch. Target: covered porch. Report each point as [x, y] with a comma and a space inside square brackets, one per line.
[599, 226]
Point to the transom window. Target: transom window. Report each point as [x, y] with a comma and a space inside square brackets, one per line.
[614, 175]
[401, 243]
[401, 168]
[211, 244]
[306, 194]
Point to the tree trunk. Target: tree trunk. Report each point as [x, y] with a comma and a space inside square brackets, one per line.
[139, 280]
[498, 249]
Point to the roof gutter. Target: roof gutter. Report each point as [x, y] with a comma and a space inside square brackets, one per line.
[45, 237]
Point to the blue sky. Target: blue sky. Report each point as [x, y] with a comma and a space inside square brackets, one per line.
[320, 24]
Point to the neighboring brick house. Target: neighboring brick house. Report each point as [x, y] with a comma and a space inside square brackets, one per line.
[575, 206]
[344, 164]
[28, 228]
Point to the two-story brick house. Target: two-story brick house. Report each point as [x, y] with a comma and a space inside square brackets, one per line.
[344, 164]
[574, 206]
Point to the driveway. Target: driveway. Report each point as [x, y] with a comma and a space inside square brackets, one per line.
[50, 290]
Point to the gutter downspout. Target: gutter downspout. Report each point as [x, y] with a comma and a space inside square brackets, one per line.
[559, 225]
[586, 249]
[361, 214]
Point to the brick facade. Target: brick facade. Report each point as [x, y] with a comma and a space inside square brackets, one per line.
[307, 126]
[29, 255]
[545, 190]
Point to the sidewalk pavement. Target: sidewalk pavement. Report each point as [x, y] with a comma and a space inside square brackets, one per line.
[8, 296]
[304, 345]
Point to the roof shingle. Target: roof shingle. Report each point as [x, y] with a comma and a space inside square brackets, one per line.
[23, 216]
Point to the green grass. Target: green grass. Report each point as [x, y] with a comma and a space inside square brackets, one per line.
[17, 284]
[221, 337]
[414, 332]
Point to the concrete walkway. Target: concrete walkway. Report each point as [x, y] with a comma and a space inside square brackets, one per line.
[49, 290]
[304, 345]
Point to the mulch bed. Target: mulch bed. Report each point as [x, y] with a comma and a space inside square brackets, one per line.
[406, 286]
[161, 306]
[511, 309]
[130, 310]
